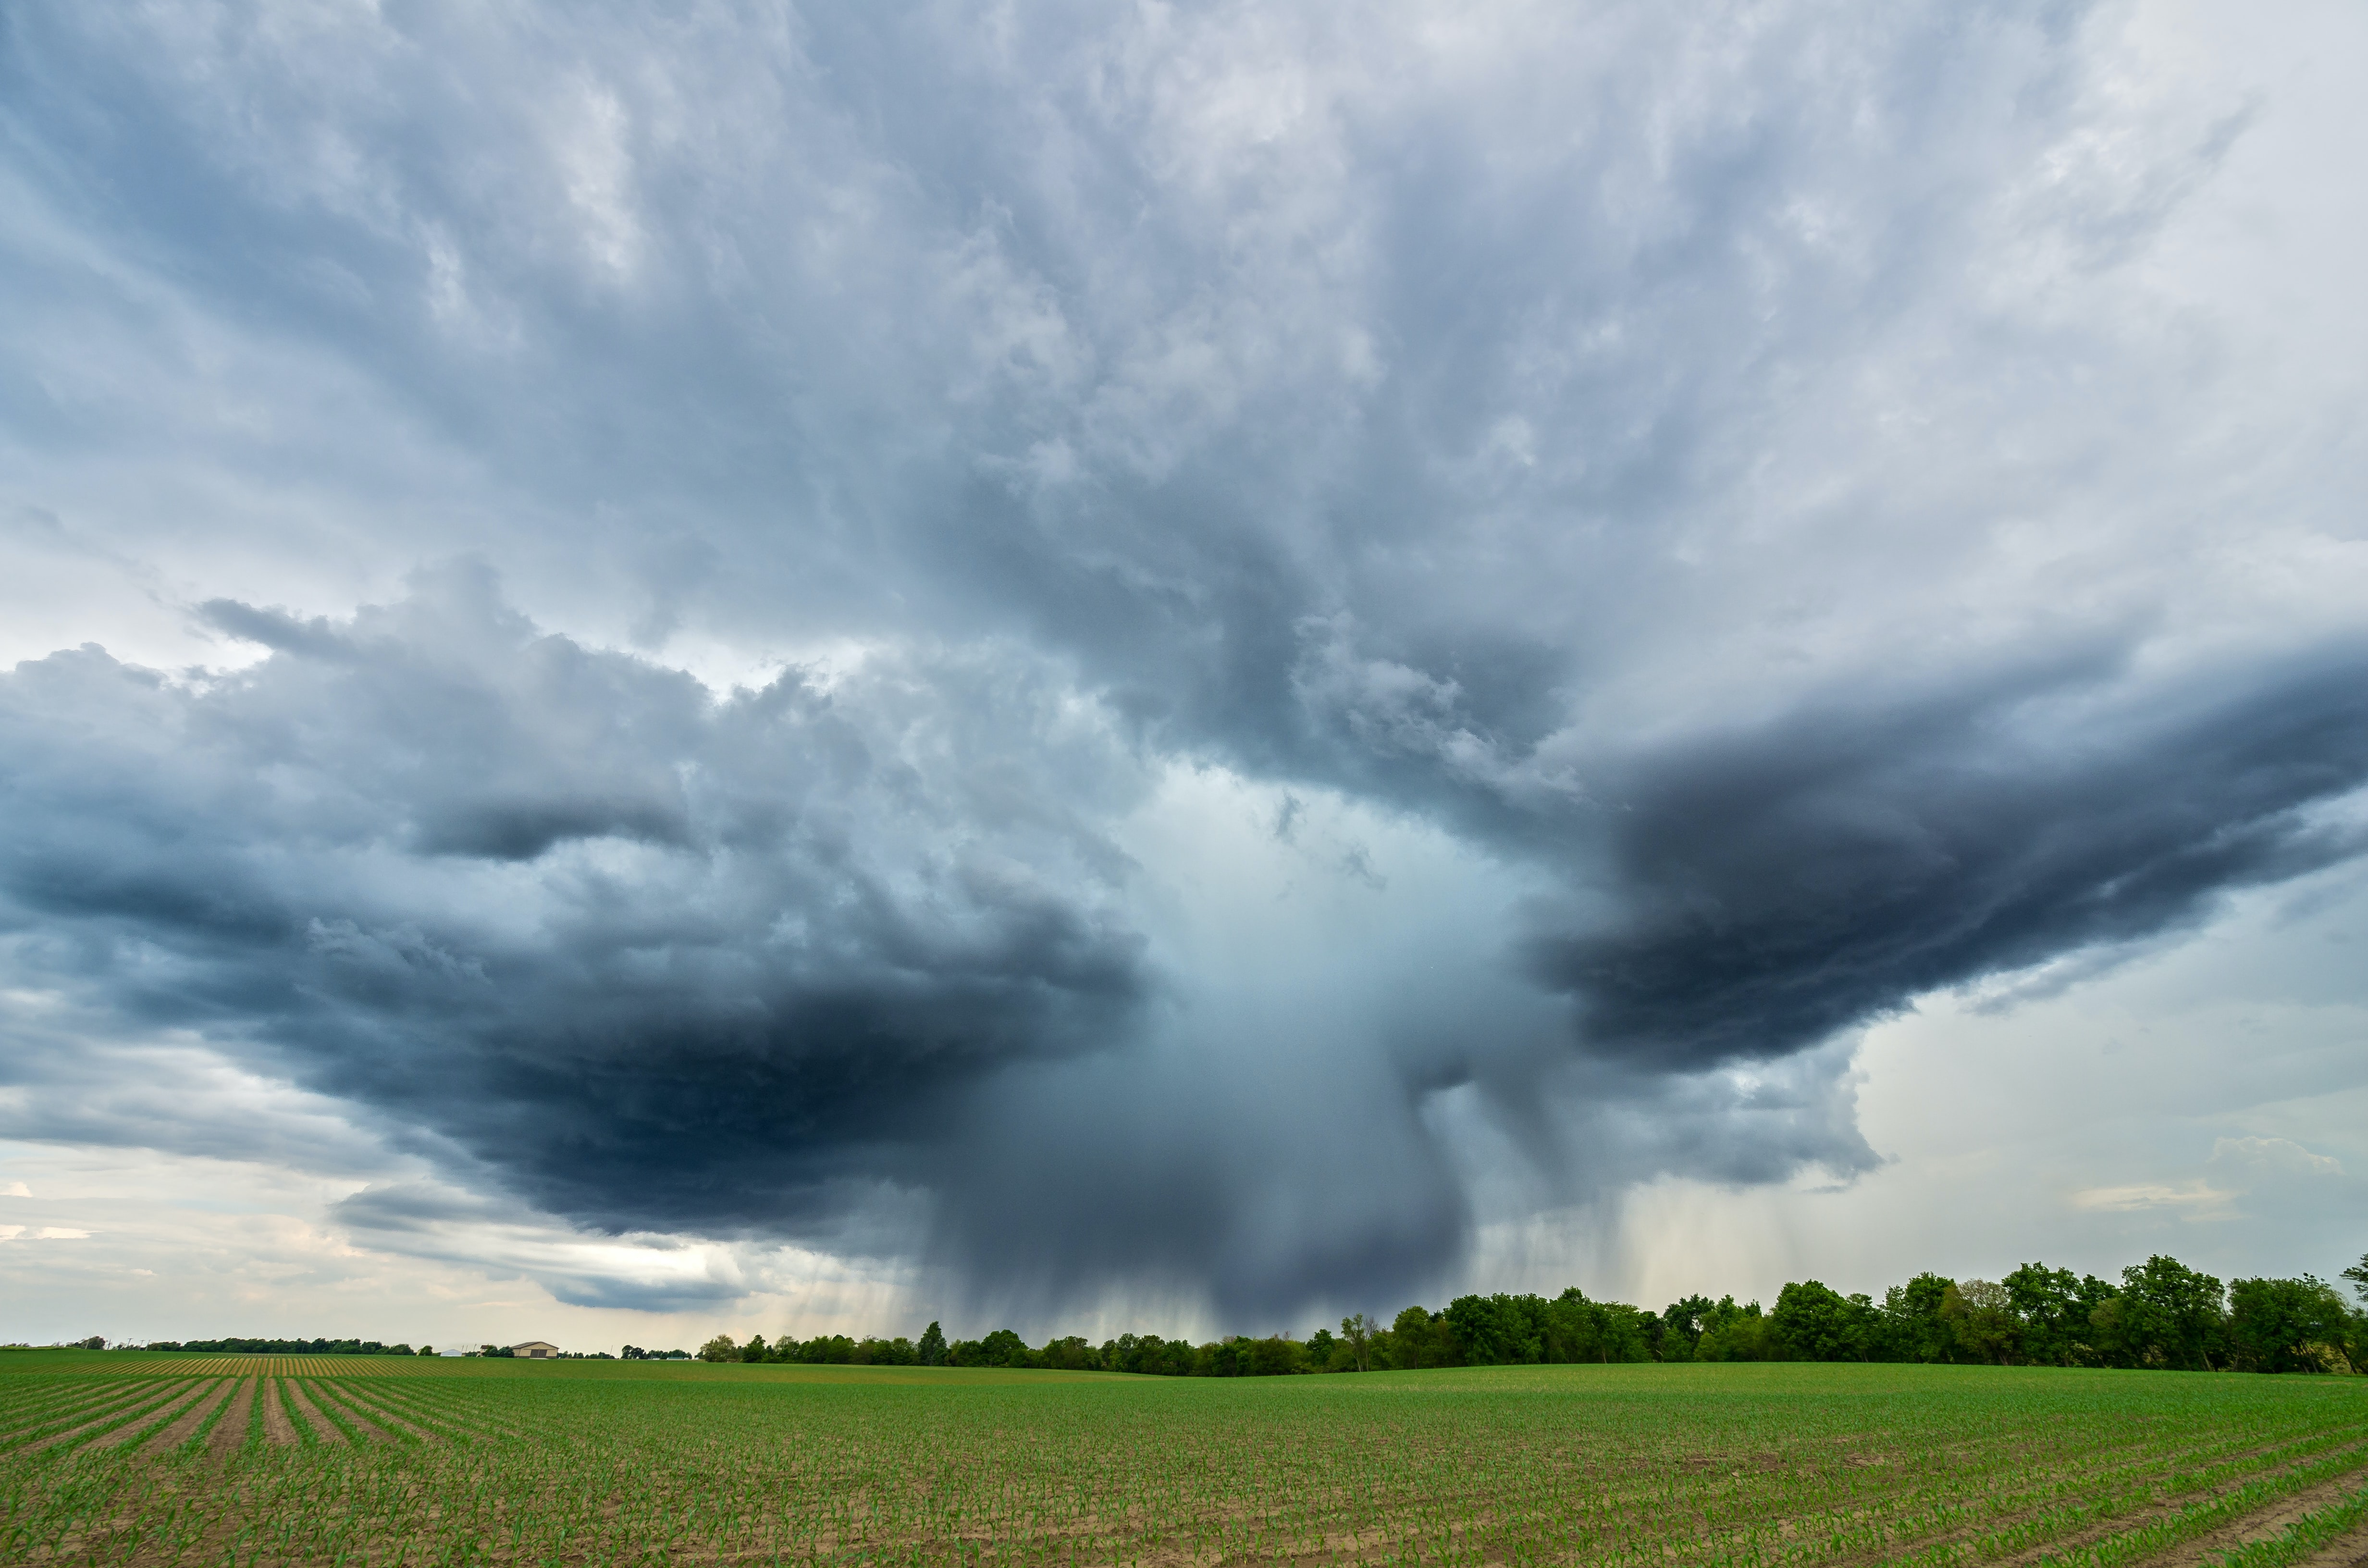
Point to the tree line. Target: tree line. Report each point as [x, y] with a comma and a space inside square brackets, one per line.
[280, 1346]
[2160, 1314]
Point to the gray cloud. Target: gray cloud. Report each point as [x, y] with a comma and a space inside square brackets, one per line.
[1756, 490]
[566, 911]
[1774, 886]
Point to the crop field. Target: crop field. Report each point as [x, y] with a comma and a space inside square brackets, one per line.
[383, 1462]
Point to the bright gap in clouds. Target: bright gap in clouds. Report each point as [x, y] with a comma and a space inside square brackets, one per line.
[1183, 669]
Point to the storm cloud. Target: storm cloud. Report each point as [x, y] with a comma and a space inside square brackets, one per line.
[1170, 655]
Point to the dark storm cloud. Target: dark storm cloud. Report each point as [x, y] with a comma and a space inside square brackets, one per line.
[774, 955]
[1775, 886]
[1611, 439]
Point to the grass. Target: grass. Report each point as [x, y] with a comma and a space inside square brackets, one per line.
[513, 1463]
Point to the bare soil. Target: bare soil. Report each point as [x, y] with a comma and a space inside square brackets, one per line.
[277, 1430]
[231, 1431]
[2345, 1552]
[322, 1427]
[96, 1410]
[181, 1431]
[80, 1433]
[327, 1397]
[382, 1415]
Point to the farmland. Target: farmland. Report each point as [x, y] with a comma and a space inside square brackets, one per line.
[132, 1459]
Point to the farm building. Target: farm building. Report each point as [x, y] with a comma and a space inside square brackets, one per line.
[535, 1350]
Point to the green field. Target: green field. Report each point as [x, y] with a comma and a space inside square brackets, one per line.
[368, 1462]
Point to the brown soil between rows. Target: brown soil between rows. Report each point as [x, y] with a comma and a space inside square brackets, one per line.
[277, 1429]
[2261, 1525]
[78, 1433]
[131, 1429]
[322, 1427]
[2138, 1518]
[230, 1430]
[473, 1423]
[327, 1397]
[99, 1409]
[383, 1415]
[2344, 1552]
[184, 1429]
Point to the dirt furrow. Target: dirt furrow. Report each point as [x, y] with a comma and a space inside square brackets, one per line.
[230, 1431]
[335, 1403]
[2270, 1520]
[322, 1427]
[277, 1429]
[2346, 1551]
[77, 1434]
[184, 1429]
[97, 1408]
[132, 1429]
[381, 1415]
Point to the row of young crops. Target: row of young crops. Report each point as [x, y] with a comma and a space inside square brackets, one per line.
[1704, 1465]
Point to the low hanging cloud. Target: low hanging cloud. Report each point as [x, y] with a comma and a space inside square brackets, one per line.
[661, 958]
[1773, 887]
[863, 962]
[1370, 621]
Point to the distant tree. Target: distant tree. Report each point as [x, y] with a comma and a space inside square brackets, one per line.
[2166, 1315]
[1418, 1339]
[1981, 1314]
[1813, 1322]
[1736, 1333]
[1002, 1348]
[933, 1345]
[1357, 1332]
[2287, 1326]
[755, 1350]
[95, 1342]
[1499, 1330]
[1682, 1323]
[719, 1348]
[1071, 1354]
[2056, 1311]
[1272, 1357]
[2358, 1275]
[1912, 1328]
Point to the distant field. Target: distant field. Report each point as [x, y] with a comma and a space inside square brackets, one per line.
[379, 1462]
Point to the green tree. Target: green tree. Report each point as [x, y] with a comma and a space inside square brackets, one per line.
[1736, 1334]
[719, 1348]
[1002, 1348]
[2057, 1309]
[1813, 1322]
[1682, 1323]
[933, 1345]
[1981, 1314]
[1273, 1357]
[1357, 1331]
[2166, 1315]
[2287, 1326]
[755, 1350]
[2358, 1275]
[1912, 1327]
[1499, 1330]
[1069, 1354]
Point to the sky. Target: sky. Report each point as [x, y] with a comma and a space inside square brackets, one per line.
[780, 668]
